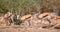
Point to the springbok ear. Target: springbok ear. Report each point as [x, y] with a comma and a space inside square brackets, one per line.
[26, 17]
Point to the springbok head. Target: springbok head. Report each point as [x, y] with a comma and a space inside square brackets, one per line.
[8, 14]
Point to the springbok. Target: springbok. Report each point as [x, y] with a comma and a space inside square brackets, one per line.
[26, 17]
[9, 16]
[43, 15]
[48, 14]
[47, 17]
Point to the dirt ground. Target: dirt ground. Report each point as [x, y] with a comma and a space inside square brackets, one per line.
[33, 23]
[28, 29]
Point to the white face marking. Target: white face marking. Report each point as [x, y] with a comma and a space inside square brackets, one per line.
[17, 16]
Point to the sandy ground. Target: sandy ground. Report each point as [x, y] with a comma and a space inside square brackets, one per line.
[28, 29]
[32, 24]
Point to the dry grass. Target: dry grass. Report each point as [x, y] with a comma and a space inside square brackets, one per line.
[24, 7]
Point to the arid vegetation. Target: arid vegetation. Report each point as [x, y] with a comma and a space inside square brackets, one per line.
[43, 14]
[23, 7]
